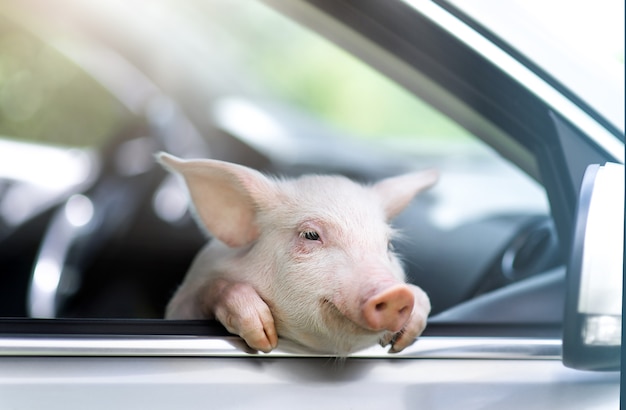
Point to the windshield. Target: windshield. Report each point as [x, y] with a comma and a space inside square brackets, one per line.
[580, 44]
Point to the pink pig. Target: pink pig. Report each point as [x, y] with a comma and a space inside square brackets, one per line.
[306, 260]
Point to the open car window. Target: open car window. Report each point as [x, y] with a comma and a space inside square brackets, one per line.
[247, 85]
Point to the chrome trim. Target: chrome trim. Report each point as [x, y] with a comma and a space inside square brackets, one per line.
[522, 74]
[190, 346]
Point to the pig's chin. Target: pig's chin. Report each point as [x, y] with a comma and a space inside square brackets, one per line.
[337, 334]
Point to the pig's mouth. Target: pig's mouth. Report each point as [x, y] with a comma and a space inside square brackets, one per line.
[336, 320]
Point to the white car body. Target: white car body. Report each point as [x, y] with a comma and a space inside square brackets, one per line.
[446, 368]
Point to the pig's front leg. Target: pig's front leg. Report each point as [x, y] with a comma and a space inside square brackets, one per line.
[241, 310]
[414, 326]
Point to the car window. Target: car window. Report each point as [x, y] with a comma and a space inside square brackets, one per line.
[247, 76]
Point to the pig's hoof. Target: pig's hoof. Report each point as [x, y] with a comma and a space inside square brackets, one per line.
[401, 341]
[398, 341]
[408, 335]
[258, 339]
[242, 345]
[387, 339]
[243, 312]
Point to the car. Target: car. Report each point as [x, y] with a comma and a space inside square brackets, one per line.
[95, 237]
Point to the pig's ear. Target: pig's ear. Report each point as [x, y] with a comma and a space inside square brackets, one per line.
[225, 196]
[397, 192]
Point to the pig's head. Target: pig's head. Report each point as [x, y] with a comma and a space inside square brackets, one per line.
[317, 248]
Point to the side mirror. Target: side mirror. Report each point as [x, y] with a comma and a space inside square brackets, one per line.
[592, 328]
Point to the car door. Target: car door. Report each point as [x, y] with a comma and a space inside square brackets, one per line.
[495, 337]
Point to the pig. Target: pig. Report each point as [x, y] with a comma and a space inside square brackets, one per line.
[306, 260]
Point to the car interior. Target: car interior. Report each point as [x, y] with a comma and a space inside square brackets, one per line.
[116, 243]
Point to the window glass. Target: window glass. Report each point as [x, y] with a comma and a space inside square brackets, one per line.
[302, 69]
[206, 52]
[45, 98]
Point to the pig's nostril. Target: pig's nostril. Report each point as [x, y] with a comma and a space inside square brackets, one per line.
[389, 309]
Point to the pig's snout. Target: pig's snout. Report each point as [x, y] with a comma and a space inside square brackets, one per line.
[389, 309]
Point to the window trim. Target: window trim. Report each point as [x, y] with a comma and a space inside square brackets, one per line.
[161, 338]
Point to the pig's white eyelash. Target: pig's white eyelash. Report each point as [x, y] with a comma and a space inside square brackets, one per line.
[310, 235]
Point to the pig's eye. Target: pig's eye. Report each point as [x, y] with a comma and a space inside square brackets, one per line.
[310, 235]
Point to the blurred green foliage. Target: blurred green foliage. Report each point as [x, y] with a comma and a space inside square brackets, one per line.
[310, 71]
[46, 98]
